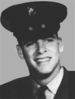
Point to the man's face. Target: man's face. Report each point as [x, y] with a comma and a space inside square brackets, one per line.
[43, 54]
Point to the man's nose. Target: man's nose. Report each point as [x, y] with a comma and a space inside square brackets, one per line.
[41, 46]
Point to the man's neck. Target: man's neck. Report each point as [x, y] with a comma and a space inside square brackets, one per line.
[50, 77]
[47, 78]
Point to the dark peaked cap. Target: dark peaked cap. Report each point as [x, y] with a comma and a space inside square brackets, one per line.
[33, 18]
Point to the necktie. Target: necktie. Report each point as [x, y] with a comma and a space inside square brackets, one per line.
[44, 93]
[41, 93]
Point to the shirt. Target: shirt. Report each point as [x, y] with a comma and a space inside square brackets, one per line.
[55, 83]
[52, 86]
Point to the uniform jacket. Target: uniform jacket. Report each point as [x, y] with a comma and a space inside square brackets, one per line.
[22, 88]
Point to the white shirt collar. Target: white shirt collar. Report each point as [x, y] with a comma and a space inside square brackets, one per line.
[55, 83]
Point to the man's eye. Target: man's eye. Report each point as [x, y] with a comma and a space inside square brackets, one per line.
[50, 39]
[29, 43]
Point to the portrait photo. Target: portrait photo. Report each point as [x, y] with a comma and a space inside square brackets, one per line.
[37, 49]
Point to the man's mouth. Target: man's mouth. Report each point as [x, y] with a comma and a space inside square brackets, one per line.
[43, 59]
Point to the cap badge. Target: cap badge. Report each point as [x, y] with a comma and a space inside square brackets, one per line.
[31, 11]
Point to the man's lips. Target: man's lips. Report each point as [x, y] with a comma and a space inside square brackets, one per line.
[43, 59]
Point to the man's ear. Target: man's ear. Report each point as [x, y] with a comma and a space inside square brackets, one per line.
[19, 50]
[61, 45]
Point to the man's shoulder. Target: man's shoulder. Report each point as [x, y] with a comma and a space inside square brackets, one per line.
[71, 79]
[16, 88]
[71, 75]
[71, 84]
[18, 81]
[68, 81]
[71, 72]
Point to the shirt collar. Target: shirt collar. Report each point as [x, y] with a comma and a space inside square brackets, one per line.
[55, 83]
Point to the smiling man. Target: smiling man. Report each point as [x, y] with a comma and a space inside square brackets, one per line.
[42, 57]
[36, 26]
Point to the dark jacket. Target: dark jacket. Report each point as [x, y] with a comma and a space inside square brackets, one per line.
[22, 88]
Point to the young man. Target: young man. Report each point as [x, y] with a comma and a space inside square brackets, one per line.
[36, 25]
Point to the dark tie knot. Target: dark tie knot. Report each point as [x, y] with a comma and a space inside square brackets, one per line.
[41, 92]
[43, 88]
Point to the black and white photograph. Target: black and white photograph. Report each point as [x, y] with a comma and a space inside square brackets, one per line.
[37, 49]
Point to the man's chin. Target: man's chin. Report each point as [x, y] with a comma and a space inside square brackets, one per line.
[44, 68]
[44, 71]
[43, 75]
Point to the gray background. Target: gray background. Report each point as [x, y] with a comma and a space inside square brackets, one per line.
[12, 67]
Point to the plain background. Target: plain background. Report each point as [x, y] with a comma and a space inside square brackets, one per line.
[11, 66]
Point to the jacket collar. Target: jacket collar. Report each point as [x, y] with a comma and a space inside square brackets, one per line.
[62, 92]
